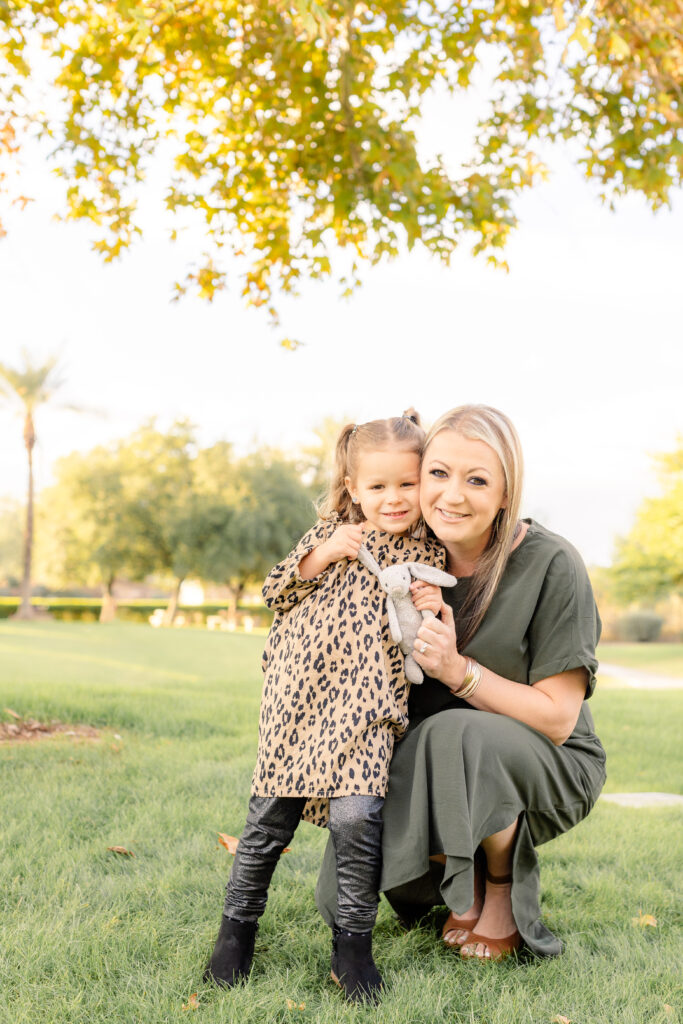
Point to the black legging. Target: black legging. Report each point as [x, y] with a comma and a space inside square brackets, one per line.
[356, 830]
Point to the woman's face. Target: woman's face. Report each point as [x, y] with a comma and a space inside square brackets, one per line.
[462, 488]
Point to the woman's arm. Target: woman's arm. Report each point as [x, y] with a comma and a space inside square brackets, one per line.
[550, 706]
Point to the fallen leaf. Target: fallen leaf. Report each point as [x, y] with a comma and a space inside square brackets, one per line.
[230, 843]
[292, 1005]
[192, 1003]
[561, 1019]
[644, 920]
[122, 850]
[668, 1010]
[12, 713]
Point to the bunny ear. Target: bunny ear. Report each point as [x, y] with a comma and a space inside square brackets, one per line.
[366, 559]
[430, 574]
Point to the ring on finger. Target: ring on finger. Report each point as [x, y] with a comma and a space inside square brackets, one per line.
[424, 647]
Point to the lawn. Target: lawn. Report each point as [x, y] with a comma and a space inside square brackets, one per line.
[656, 659]
[87, 935]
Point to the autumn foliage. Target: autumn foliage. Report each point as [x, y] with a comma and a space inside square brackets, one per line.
[290, 128]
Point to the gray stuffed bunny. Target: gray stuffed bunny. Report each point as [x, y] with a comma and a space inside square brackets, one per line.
[404, 618]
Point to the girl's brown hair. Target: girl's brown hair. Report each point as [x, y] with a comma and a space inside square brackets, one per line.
[355, 438]
[484, 423]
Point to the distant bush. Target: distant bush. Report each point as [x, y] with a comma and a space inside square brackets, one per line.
[87, 609]
[641, 626]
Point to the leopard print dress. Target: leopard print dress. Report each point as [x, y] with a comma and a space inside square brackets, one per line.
[335, 695]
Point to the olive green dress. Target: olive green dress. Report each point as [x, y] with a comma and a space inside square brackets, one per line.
[461, 774]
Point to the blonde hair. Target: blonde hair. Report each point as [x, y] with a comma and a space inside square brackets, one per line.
[399, 431]
[483, 423]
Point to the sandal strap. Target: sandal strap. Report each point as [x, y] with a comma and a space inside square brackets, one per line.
[497, 948]
[498, 879]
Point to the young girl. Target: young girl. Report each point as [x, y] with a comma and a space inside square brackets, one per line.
[334, 699]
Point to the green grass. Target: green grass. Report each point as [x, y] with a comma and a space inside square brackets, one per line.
[86, 936]
[656, 659]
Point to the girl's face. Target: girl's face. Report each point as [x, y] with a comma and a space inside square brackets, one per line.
[387, 486]
[462, 489]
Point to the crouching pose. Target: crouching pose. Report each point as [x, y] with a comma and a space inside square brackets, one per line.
[334, 699]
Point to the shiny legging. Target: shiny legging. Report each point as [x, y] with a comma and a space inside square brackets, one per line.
[356, 829]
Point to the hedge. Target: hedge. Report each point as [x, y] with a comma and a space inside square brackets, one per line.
[87, 609]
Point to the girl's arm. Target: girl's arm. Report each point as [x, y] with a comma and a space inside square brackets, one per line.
[284, 586]
[306, 567]
[551, 706]
[345, 542]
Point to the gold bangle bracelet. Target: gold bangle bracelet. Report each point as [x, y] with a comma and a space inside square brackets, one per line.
[471, 681]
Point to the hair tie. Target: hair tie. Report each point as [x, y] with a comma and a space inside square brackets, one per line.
[355, 428]
[409, 416]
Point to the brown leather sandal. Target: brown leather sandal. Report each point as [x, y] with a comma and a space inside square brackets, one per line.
[498, 949]
[454, 923]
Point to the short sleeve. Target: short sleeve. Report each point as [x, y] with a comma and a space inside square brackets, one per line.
[565, 627]
[283, 586]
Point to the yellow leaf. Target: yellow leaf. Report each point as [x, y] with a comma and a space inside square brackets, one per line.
[230, 843]
[644, 920]
[292, 1005]
[561, 1019]
[121, 850]
[668, 1010]
[558, 12]
[192, 1003]
[580, 33]
[290, 344]
[618, 47]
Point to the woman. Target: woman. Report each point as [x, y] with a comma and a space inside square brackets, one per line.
[501, 754]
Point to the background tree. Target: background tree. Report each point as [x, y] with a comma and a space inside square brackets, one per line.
[88, 533]
[31, 387]
[116, 511]
[649, 560]
[290, 125]
[317, 459]
[267, 509]
[11, 537]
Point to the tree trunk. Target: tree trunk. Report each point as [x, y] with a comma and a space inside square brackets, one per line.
[108, 610]
[26, 609]
[236, 592]
[170, 613]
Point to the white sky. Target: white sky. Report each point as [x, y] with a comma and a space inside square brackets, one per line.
[581, 344]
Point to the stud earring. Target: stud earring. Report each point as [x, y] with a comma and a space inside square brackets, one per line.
[354, 500]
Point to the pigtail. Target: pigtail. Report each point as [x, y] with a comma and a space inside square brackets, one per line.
[336, 503]
[412, 415]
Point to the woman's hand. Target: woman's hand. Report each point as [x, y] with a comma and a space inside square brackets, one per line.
[440, 658]
[426, 596]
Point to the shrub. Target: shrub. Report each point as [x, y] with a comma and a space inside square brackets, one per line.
[87, 609]
[640, 626]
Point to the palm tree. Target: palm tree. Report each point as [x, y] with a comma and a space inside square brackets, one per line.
[33, 385]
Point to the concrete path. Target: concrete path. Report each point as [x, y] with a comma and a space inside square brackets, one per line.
[639, 680]
[643, 799]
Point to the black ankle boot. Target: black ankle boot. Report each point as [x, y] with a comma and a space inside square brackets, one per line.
[353, 968]
[232, 955]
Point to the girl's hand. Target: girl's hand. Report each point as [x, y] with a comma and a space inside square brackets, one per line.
[426, 596]
[345, 542]
[440, 658]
